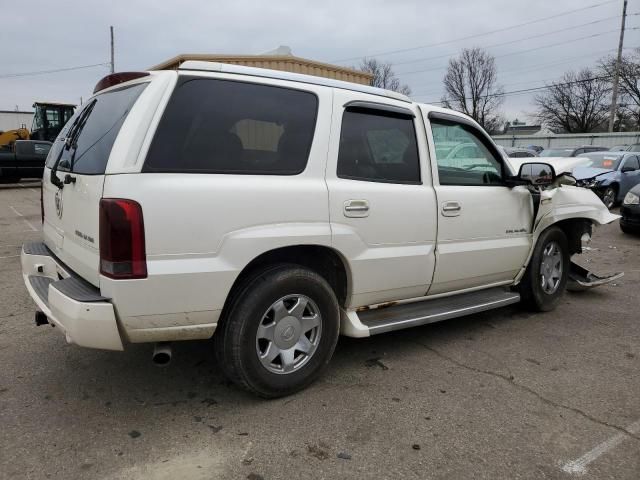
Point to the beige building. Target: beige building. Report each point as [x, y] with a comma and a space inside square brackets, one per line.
[279, 59]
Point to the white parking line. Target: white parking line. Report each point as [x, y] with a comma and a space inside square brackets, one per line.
[10, 256]
[33, 229]
[15, 211]
[579, 466]
[29, 224]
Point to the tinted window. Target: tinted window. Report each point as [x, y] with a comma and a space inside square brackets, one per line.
[462, 156]
[378, 146]
[632, 162]
[220, 126]
[96, 127]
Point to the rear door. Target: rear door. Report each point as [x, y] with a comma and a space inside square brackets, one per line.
[79, 157]
[381, 203]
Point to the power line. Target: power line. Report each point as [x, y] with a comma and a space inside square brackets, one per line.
[562, 30]
[44, 72]
[562, 61]
[445, 42]
[534, 89]
[525, 51]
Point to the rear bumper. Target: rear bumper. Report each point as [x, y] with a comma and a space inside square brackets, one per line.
[76, 307]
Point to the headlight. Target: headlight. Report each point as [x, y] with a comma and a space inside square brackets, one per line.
[589, 183]
[631, 199]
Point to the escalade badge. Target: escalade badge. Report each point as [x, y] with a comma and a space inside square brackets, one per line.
[58, 200]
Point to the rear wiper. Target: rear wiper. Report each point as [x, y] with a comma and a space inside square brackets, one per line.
[70, 142]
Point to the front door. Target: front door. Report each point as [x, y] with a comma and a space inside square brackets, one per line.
[629, 175]
[484, 227]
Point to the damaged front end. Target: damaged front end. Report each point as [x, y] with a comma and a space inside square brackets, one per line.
[581, 279]
[576, 210]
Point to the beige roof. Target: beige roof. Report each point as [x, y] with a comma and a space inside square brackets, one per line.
[287, 63]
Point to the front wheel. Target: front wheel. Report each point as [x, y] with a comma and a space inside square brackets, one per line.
[280, 331]
[546, 276]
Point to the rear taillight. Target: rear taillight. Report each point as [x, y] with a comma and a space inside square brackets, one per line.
[41, 205]
[122, 249]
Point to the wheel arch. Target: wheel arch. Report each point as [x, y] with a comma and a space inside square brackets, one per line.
[324, 260]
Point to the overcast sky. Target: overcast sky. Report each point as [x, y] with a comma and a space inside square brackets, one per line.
[67, 33]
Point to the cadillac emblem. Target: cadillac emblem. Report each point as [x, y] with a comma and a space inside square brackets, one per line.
[58, 201]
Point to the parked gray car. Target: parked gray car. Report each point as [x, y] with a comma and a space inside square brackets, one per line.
[570, 151]
[609, 174]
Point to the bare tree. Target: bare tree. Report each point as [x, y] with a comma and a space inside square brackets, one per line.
[576, 104]
[383, 76]
[629, 94]
[471, 87]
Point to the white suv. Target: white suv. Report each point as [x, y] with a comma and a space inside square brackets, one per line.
[274, 211]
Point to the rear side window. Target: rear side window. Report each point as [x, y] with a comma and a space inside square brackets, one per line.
[93, 129]
[221, 126]
[378, 146]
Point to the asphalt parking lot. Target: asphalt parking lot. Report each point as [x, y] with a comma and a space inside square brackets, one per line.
[504, 394]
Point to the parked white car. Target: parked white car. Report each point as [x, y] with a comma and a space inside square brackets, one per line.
[272, 211]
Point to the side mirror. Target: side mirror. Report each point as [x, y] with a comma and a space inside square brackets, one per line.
[536, 173]
[627, 168]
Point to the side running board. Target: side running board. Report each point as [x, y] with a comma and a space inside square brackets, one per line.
[386, 319]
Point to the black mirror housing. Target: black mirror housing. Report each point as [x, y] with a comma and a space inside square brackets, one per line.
[537, 173]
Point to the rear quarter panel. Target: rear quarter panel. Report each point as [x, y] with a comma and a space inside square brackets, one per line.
[202, 229]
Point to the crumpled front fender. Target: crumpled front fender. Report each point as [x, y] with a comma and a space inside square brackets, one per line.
[567, 202]
[563, 203]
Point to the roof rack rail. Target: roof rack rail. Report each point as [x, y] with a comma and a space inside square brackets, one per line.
[203, 66]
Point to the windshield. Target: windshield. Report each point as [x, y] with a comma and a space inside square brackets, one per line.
[609, 162]
[557, 152]
[87, 150]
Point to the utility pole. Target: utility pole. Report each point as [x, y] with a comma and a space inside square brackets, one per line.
[616, 73]
[113, 64]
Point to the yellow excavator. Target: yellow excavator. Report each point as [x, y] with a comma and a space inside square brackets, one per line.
[48, 120]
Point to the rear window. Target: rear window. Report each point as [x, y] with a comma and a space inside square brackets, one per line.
[95, 128]
[221, 126]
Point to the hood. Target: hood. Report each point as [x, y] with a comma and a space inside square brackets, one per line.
[582, 173]
[559, 164]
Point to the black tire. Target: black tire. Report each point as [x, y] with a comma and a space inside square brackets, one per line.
[533, 296]
[235, 340]
[609, 196]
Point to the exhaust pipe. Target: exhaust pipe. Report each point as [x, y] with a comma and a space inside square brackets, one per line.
[161, 354]
[41, 318]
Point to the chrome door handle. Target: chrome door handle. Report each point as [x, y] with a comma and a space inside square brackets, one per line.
[451, 209]
[356, 208]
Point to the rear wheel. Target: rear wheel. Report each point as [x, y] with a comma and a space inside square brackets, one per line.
[280, 331]
[609, 197]
[546, 276]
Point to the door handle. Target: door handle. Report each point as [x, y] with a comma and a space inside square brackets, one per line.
[356, 208]
[451, 209]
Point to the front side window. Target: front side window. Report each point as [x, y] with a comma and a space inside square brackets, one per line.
[462, 156]
[230, 127]
[378, 146]
[632, 163]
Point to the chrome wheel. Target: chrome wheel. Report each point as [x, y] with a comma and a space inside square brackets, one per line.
[551, 268]
[288, 334]
[609, 197]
